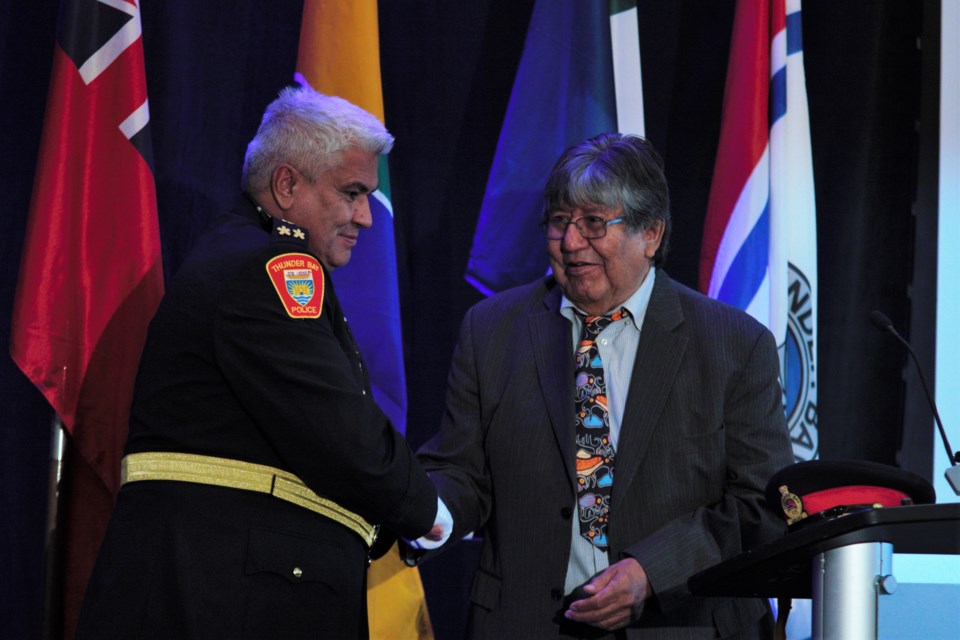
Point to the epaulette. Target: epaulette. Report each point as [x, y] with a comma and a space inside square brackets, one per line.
[284, 231]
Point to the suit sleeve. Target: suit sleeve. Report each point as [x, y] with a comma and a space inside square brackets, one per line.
[756, 445]
[454, 458]
[297, 384]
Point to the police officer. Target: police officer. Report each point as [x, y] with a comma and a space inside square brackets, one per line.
[258, 466]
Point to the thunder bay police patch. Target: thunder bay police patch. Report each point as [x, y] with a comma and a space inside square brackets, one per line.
[298, 280]
[798, 366]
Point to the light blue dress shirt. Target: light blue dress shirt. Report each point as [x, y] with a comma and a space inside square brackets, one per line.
[617, 344]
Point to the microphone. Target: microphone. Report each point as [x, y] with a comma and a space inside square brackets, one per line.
[883, 323]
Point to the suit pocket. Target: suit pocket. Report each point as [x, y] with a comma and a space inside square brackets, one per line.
[485, 591]
[296, 586]
[294, 558]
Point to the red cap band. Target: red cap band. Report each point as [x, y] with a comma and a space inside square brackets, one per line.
[818, 501]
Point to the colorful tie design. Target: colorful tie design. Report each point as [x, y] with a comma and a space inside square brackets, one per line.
[594, 449]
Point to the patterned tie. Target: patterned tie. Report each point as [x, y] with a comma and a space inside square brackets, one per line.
[594, 449]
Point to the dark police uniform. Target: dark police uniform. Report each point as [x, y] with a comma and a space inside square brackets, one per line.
[249, 359]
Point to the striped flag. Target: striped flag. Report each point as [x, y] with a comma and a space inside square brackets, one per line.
[339, 55]
[90, 276]
[579, 75]
[759, 244]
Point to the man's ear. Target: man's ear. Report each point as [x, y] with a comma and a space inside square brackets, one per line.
[654, 236]
[283, 183]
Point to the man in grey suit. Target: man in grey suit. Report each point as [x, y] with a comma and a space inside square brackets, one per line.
[609, 431]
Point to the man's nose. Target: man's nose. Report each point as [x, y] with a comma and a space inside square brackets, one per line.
[572, 239]
[362, 217]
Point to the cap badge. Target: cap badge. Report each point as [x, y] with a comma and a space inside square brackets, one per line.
[792, 505]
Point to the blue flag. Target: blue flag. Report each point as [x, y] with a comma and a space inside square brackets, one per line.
[367, 288]
[563, 94]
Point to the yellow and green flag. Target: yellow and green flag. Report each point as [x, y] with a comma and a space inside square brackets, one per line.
[340, 55]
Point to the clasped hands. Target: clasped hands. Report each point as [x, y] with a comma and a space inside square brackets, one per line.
[615, 597]
[438, 534]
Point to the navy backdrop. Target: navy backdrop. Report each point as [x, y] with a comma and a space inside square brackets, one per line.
[447, 72]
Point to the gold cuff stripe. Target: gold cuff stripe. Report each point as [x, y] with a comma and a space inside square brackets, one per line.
[236, 474]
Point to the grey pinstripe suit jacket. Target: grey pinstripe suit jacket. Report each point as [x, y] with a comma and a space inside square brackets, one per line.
[703, 430]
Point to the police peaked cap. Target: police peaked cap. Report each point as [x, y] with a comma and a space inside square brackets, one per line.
[825, 489]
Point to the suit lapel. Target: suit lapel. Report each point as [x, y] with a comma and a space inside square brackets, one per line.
[658, 359]
[550, 337]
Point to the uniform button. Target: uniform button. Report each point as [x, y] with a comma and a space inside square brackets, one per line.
[566, 513]
[556, 594]
[297, 572]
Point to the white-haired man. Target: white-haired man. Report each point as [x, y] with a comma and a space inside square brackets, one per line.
[258, 466]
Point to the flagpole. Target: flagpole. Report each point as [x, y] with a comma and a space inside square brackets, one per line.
[53, 587]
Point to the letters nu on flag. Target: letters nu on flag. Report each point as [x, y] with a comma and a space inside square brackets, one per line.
[759, 244]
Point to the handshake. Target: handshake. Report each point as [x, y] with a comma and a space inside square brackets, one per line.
[438, 535]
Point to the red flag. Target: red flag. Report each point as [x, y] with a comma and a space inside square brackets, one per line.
[90, 276]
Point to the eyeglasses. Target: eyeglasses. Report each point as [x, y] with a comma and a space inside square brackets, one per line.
[590, 227]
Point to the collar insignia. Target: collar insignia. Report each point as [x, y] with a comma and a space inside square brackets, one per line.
[285, 231]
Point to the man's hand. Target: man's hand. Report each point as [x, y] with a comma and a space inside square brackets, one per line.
[438, 534]
[616, 597]
[435, 534]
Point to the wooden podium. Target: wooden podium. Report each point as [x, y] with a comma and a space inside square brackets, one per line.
[843, 564]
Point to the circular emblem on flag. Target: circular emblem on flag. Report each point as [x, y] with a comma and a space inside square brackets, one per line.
[798, 365]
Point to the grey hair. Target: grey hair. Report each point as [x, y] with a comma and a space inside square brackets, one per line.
[613, 170]
[308, 129]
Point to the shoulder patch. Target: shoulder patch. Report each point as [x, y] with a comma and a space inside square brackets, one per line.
[298, 280]
[284, 231]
